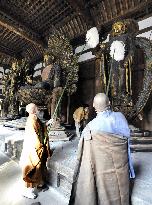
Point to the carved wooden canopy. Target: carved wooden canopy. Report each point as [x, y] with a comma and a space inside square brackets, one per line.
[25, 25]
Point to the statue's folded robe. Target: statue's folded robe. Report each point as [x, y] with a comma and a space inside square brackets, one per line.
[101, 175]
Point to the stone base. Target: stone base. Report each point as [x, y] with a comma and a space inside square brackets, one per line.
[3, 120]
[11, 141]
[17, 124]
[61, 165]
[60, 135]
[141, 141]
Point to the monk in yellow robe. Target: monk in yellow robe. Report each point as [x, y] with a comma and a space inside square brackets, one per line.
[35, 153]
[80, 117]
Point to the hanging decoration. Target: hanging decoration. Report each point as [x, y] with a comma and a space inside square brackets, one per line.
[117, 50]
[92, 37]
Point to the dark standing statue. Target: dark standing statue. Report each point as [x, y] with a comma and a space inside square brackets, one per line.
[121, 38]
[117, 66]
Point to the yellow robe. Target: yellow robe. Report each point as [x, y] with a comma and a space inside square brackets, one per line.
[35, 152]
[80, 114]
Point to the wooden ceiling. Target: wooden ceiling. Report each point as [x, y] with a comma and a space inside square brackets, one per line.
[25, 25]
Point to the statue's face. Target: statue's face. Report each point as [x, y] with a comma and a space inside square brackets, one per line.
[51, 59]
[14, 65]
[118, 28]
[48, 59]
[86, 109]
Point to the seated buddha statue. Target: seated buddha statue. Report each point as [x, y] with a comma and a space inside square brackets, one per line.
[51, 74]
[41, 92]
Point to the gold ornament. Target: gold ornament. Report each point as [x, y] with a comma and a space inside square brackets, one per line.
[14, 65]
[118, 28]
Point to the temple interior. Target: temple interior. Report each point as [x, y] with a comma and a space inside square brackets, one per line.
[47, 58]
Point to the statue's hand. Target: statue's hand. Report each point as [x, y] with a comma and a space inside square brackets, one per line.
[99, 49]
[103, 46]
[125, 63]
[50, 122]
[128, 60]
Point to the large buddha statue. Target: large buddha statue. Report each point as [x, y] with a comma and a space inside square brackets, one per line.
[46, 92]
[51, 74]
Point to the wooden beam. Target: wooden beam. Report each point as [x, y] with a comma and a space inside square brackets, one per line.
[5, 59]
[4, 56]
[21, 30]
[106, 25]
[129, 12]
[81, 8]
[144, 30]
[7, 51]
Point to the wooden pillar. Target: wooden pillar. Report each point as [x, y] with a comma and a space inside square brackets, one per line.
[99, 76]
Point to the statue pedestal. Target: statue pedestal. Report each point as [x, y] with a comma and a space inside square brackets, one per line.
[61, 165]
[141, 141]
[60, 134]
[16, 124]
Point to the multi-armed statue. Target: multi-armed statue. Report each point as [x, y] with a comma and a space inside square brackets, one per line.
[118, 57]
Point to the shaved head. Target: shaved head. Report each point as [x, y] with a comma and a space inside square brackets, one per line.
[101, 102]
[31, 108]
